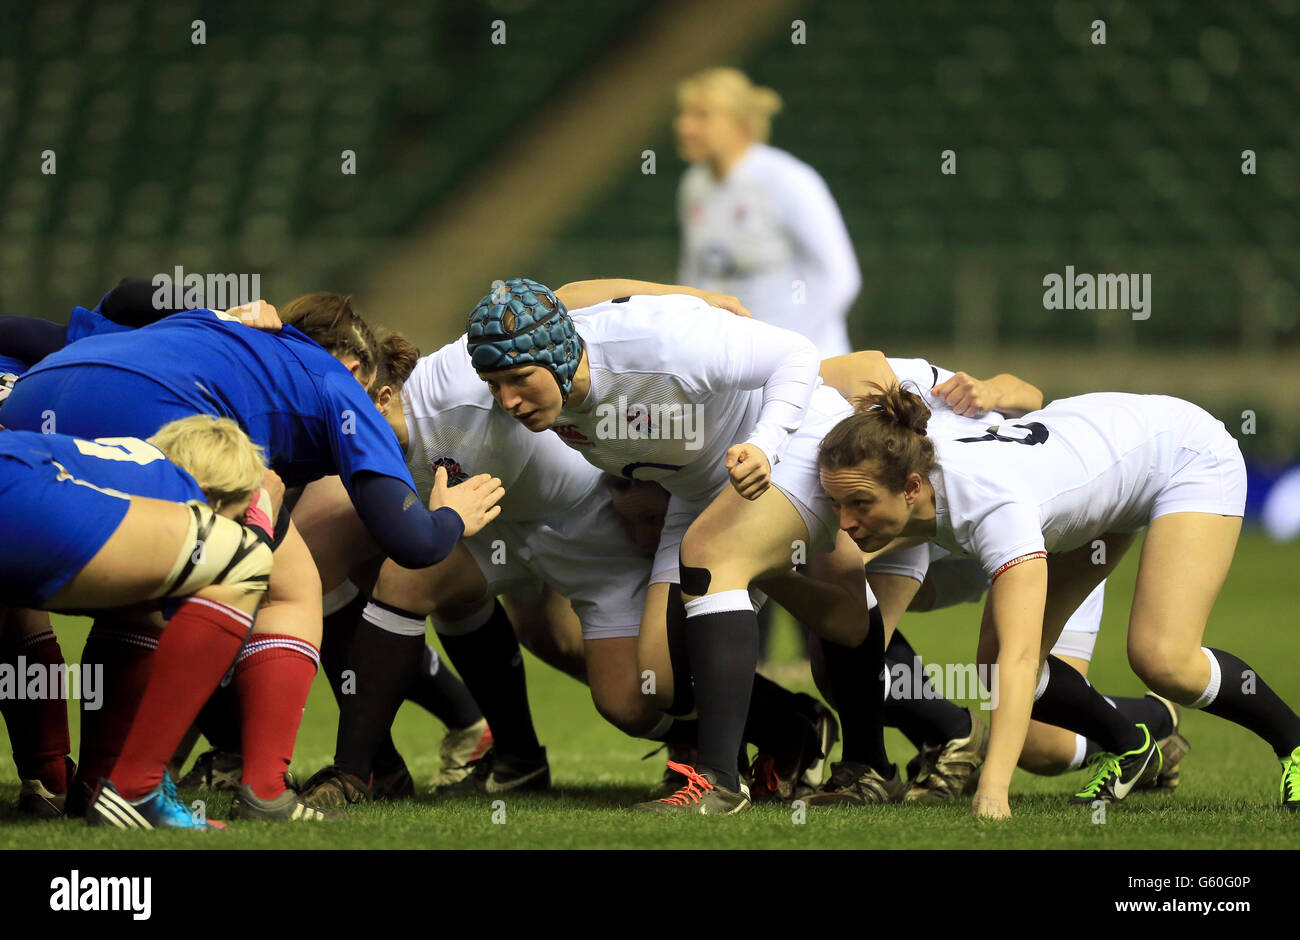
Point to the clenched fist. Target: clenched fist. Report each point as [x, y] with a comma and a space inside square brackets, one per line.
[750, 471]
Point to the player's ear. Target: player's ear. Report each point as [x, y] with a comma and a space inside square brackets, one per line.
[912, 488]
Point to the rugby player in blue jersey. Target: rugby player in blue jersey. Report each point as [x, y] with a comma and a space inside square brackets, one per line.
[94, 524]
[299, 393]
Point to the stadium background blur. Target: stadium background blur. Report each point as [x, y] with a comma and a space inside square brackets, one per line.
[476, 160]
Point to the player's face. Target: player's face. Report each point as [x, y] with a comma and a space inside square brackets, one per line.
[871, 513]
[530, 395]
[705, 129]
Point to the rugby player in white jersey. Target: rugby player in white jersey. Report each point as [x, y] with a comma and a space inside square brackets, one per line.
[951, 741]
[556, 528]
[946, 764]
[1031, 498]
[726, 414]
[756, 221]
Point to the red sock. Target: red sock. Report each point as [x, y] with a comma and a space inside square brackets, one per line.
[124, 652]
[38, 728]
[272, 679]
[202, 639]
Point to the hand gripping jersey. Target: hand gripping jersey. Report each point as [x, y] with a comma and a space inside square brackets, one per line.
[770, 233]
[1057, 478]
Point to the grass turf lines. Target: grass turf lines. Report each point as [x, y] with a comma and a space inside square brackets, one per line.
[1227, 798]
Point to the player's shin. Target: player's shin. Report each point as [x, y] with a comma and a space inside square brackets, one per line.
[200, 642]
[272, 678]
[856, 678]
[485, 652]
[1064, 698]
[123, 652]
[382, 664]
[38, 727]
[722, 636]
[1236, 692]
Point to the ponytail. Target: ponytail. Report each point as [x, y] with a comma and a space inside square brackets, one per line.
[886, 429]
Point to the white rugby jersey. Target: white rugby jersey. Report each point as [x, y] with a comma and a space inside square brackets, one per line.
[919, 376]
[675, 383]
[1057, 478]
[452, 421]
[771, 222]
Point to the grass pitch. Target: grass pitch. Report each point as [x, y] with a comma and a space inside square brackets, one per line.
[1227, 798]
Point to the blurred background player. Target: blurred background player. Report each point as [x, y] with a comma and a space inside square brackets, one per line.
[757, 221]
[760, 223]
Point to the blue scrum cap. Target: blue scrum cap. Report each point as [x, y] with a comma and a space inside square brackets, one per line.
[522, 323]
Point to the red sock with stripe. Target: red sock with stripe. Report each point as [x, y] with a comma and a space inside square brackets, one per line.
[38, 728]
[124, 652]
[272, 679]
[202, 639]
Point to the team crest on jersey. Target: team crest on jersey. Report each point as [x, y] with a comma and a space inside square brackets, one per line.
[454, 472]
[571, 434]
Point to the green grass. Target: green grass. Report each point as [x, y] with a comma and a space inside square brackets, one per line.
[1226, 800]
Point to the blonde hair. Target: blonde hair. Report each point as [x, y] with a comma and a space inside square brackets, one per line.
[753, 106]
[226, 464]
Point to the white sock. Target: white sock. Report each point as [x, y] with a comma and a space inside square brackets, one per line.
[466, 624]
[334, 601]
[392, 621]
[1080, 751]
[1216, 678]
[719, 603]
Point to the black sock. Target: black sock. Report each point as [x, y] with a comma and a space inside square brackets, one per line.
[1148, 711]
[1246, 699]
[337, 632]
[1070, 702]
[682, 731]
[492, 667]
[774, 724]
[438, 691]
[925, 719]
[382, 664]
[219, 720]
[856, 676]
[723, 648]
[679, 657]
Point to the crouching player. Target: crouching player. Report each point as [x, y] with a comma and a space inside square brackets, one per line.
[1028, 500]
[113, 523]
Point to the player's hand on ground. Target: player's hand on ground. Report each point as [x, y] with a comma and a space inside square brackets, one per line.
[750, 471]
[990, 806]
[260, 315]
[726, 302]
[966, 395]
[475, 500]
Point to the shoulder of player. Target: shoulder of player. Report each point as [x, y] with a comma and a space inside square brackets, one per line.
[992, 473]
[646, 333]
[769, 160]
[445, 380]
